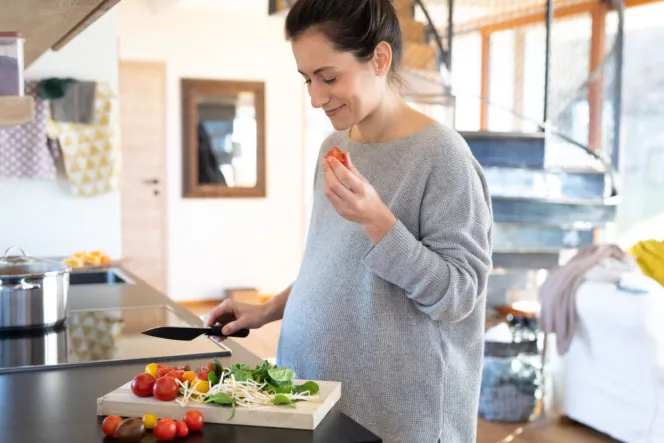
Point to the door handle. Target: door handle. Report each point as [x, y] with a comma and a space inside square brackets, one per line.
[151, 181]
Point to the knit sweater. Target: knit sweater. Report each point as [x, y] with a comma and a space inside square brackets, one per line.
[401, 323]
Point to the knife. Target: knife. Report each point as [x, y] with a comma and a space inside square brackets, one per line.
[189, 333]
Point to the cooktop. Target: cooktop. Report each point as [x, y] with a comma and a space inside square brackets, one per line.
[103, 336]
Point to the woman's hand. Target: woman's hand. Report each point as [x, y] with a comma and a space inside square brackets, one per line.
[353, 197]
[234, 316]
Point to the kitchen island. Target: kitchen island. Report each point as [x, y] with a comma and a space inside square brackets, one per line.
[58, 404]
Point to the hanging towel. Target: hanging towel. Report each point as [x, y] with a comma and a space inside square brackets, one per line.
[558, 292]
[77, 105]
[91, 153]
[650, 258]
[23, 150]
[53, 88]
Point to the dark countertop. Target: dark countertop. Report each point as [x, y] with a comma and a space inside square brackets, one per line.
[59, 405]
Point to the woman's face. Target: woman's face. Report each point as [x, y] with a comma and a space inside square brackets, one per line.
[346, 89]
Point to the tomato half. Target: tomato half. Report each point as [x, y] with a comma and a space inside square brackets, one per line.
[165, 429]
[166, 388]
[110, 424]
[142, 385]
[194, 420]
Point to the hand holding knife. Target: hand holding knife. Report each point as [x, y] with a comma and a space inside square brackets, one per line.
[190, 333]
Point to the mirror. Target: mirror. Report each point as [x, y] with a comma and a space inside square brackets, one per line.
[224, 138]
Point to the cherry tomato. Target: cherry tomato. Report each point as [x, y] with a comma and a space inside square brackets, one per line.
[151, 369]
[201, 386]
[164, 429]
[210, 367]
[142, 385]
[338, 154]
[188, 376]
[149, 420]
[110, 424]
[175, 374]
[203, 374]
[166, 388]
[181, 429]
[194, 420]
[161, 371]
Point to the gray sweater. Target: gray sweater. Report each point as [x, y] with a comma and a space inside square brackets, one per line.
[399, 324]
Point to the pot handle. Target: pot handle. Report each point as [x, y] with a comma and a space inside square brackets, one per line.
[30, 284]
[9, 249]
[26, 286]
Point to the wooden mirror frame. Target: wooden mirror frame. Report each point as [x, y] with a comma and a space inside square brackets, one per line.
[191, 88]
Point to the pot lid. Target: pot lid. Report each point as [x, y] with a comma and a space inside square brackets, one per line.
[15, 265]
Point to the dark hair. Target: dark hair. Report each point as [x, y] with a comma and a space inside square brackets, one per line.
[355, 26]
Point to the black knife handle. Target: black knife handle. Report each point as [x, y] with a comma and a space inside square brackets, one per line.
[216, 331]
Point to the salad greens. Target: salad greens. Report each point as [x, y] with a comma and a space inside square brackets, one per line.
[241, 385]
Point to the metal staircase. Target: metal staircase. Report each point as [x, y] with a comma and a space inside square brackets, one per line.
[543, 204]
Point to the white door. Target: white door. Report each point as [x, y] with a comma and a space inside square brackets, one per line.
[143, 131]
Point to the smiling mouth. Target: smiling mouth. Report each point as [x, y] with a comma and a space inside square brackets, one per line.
[331, 112]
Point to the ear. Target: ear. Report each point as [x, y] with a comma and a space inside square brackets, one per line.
[382, 58]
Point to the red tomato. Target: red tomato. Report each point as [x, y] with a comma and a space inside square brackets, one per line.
[110, 424]
[194, 420]
[164, 429]
[142, 385]
[210, 366]
[338, 154]
[203, 374]
[181, 429]
[166, 388]
[175, 374]
[163, 370]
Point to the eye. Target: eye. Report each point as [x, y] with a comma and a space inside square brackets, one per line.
[307, 81]
[330, 80]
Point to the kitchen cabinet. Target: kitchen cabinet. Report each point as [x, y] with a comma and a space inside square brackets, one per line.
[50, 24]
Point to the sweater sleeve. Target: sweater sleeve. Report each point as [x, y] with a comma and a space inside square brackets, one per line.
[446, 269]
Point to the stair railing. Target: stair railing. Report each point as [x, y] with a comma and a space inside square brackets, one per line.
[546, 125]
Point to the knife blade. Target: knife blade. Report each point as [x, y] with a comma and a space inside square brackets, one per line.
[190, 333]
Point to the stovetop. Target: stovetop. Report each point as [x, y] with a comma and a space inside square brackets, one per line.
[103, 336]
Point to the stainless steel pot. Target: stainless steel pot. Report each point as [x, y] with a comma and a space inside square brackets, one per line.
[33, 292]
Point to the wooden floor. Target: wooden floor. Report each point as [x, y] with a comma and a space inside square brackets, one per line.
[263, 342]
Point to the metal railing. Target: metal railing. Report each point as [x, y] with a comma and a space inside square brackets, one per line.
[612, 61]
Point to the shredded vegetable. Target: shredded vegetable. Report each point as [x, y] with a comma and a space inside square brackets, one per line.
[239, 386]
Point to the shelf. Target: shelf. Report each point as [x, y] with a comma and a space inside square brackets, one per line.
[16, 110]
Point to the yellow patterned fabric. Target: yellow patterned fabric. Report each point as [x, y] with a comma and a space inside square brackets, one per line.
[91, 153]
[650, 258]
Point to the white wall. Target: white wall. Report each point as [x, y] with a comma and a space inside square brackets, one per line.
[44, 217]
[219, 243]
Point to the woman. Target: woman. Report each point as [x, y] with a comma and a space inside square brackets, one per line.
[390, 296]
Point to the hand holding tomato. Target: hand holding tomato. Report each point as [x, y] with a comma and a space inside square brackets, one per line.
[353, 197]
[338, 154]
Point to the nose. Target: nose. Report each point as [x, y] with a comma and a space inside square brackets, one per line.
[318, 96]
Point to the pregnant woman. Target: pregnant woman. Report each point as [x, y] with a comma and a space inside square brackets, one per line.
[390, 296]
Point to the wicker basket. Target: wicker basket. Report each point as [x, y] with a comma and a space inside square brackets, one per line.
[511, 381]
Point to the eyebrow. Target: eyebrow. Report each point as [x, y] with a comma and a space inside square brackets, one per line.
[319, 70]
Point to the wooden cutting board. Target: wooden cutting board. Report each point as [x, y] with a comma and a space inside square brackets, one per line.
[305, 415]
